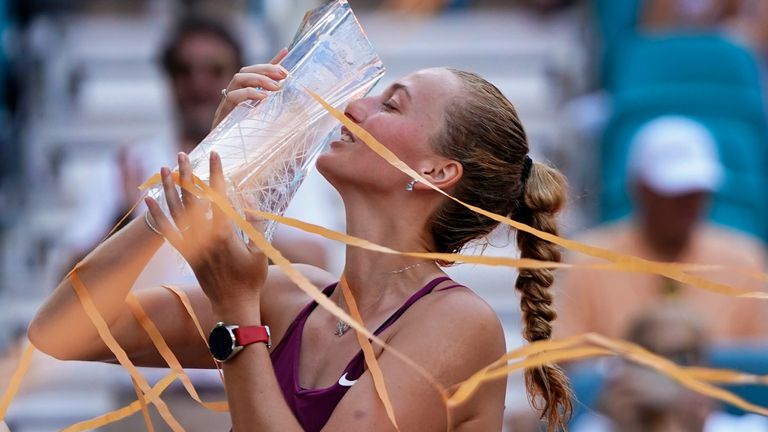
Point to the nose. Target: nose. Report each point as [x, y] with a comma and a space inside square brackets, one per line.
[357, 110]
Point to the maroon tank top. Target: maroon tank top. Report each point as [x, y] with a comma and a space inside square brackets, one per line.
[313, 407]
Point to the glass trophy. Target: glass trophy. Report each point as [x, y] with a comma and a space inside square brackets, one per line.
[268, 147]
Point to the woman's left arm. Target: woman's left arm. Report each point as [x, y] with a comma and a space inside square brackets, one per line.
[232, 275]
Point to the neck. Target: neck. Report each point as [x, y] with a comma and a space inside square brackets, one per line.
[379, 280]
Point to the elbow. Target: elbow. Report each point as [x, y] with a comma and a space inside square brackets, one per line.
[45, 341]
[38, 339]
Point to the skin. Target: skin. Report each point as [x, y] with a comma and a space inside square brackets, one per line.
[668, 222]
[451, 333]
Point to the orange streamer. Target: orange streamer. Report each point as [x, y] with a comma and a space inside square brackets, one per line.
[125, 411]
[16, 379]
[165, 351]
[368, 354]
[106, 335]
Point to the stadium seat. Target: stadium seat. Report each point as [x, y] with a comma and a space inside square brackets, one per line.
[683, 59]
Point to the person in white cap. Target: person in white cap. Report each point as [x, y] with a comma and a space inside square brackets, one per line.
[673, 170]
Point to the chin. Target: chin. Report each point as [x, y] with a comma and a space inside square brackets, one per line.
[326, 164]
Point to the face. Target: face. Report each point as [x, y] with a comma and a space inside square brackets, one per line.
[672, 217]
[404, 118]
[203, 65]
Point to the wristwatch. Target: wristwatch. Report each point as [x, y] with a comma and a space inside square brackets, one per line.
[225, 341]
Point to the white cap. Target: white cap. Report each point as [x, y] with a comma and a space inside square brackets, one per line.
[675, 155]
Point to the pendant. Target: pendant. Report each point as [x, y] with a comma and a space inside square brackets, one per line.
[341, 328]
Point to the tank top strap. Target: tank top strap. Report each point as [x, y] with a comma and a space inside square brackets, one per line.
[411, 300]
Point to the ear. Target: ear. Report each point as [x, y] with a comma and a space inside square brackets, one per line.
[443, 173]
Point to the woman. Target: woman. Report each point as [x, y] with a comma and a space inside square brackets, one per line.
[461, 134]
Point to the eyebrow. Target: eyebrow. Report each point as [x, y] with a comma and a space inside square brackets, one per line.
[403, 87]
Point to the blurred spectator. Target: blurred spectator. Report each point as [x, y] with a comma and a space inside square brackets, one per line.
[635, 398]
[743, 19]
[199, 59]
[673, 170]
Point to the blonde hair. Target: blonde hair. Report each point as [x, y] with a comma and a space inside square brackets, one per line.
[483, 132]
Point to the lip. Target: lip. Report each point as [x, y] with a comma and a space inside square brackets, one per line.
[344, 130]
[340, 143]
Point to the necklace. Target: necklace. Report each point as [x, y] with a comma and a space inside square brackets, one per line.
[342, 327]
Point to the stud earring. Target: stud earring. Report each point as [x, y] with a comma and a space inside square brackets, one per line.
[410, 185]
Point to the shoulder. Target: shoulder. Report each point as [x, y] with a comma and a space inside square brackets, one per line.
[458, 324]
[742, 248]
[615, 236]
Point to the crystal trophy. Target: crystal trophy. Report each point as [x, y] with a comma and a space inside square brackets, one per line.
[267, 147]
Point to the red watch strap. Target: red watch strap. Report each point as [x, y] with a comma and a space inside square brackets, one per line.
[247, 335]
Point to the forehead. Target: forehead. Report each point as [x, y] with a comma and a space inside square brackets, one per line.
[431, 90]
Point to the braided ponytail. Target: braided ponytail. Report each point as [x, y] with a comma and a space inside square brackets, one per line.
[483, 131]
[543, 197]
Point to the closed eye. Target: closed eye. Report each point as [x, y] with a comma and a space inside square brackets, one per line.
[389, 106]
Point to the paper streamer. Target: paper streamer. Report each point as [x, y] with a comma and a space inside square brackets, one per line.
[191, 313]
[125, 411]
[143, 406]
[590, 345]
[531, 350]
[16, 379]
[521, 263]
[165, 351]
[368, 354]
[106, 335]
[632, 263]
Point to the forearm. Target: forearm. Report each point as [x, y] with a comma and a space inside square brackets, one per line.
[255, 399]
[60, 327]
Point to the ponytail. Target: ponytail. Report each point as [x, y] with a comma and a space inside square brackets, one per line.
[543, 197]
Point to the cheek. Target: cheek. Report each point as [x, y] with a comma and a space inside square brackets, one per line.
[407, 139]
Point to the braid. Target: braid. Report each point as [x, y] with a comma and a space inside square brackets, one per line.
[543, 197]
[483, 131]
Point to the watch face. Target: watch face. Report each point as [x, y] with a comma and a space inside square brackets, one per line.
[221, 343]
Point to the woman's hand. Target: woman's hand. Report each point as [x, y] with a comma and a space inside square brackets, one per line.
[249, 83]
[230, 272]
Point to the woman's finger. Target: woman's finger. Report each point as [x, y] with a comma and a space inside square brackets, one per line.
[245, 94]
[218, 184]
[164, 225]
[189, 199]
[279, 56]
[267, 71]
[172, 197]
[243, 80]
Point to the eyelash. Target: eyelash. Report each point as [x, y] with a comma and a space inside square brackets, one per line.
[388, 106]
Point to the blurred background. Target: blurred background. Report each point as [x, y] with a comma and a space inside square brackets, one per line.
[654, 110]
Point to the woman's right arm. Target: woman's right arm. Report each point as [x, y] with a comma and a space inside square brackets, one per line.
[61, 327]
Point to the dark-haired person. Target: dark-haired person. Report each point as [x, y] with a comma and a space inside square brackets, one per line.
[459, 132]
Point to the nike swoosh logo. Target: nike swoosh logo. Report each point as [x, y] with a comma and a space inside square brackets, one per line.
[343, 381]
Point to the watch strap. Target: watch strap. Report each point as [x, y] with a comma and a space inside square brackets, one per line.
[246, 335]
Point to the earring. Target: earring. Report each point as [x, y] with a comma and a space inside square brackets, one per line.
[410, 185]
